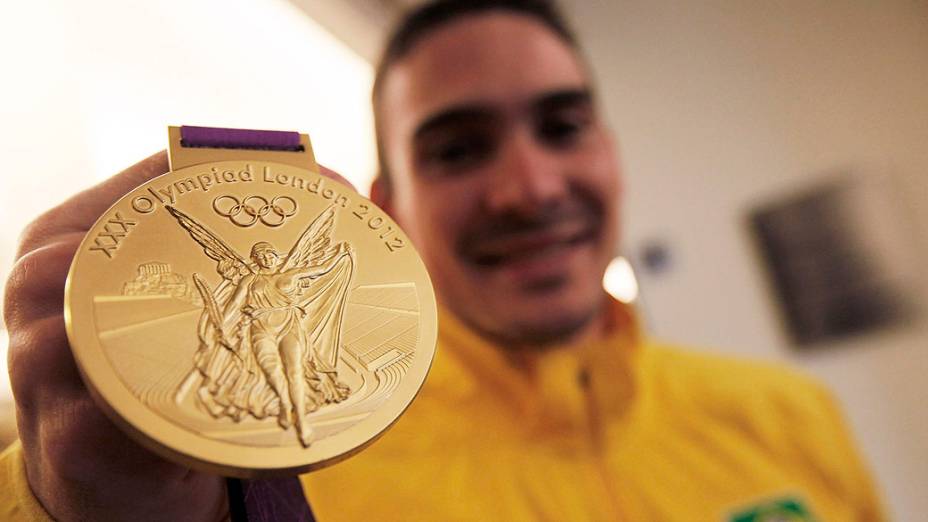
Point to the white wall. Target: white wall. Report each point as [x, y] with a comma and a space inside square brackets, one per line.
[719, 105]
[88, 88]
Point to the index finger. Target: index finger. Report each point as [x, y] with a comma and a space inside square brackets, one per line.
[329, 173]
[79, 212]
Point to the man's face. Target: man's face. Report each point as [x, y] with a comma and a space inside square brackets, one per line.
[503, 175]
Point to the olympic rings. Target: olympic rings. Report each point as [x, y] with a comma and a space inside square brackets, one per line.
[252, 209]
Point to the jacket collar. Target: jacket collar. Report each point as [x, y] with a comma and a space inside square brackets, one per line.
[557, 388]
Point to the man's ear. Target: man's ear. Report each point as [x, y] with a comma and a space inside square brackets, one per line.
[381, 196]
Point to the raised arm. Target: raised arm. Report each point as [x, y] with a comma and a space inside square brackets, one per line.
[344, 249]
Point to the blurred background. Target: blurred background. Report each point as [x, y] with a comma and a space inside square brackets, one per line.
[774, 154]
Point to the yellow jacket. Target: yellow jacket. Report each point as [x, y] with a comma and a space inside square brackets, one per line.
[623, 429]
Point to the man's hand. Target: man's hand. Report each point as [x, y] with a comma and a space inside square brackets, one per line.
[79, 464]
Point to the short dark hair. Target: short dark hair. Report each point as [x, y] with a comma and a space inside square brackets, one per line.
[423, 20]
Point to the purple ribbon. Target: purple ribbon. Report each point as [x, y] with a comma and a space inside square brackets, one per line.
[258, 500]
[216, 138]
[268, 500]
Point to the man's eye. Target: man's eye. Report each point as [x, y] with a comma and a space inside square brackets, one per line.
[459, 152]
[562, 130]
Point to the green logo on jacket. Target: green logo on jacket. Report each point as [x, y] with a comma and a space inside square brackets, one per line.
[783, 510]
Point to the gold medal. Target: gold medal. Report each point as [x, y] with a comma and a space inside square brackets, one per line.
[244, 315]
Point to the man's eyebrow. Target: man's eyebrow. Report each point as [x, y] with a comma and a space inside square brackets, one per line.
[477, 112]
[563, 98]
[454, 116]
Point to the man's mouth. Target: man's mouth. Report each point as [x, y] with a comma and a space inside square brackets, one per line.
[517, 247]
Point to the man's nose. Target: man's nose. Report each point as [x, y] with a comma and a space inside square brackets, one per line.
[529, 176]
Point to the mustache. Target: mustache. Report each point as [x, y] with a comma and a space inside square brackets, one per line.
[494, 229]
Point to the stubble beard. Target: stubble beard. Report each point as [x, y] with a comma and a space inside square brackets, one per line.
[539, 335]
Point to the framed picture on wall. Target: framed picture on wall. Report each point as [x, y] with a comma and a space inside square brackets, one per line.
[838, 261]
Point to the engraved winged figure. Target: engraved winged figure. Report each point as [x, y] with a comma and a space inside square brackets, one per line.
[270, 331]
